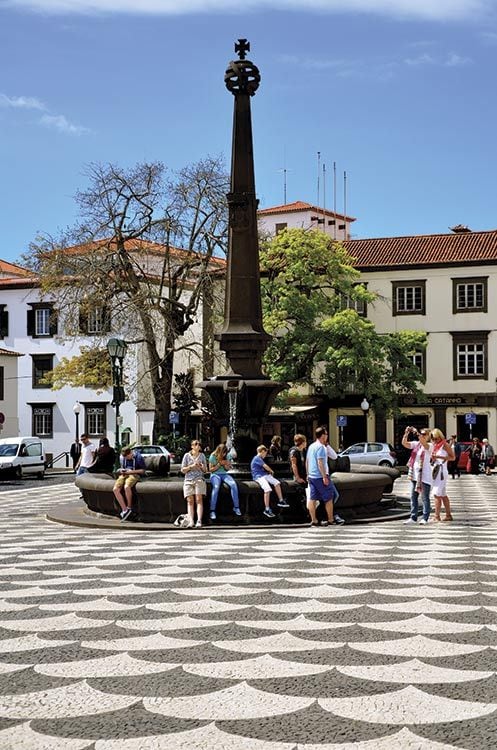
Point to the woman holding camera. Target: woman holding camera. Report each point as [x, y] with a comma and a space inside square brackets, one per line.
[441, 454]
[419, 472]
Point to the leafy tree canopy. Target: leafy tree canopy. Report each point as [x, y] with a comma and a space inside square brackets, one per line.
[309, 286]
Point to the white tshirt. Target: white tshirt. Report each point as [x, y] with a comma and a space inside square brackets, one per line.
[87, 452]
[426, 476]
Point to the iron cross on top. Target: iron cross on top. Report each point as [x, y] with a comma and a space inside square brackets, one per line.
[242, 47]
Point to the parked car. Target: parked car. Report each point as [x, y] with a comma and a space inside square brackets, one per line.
[20, 456]
[156, 450]
[377, 454]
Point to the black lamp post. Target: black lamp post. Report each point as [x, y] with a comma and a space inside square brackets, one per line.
[77, 410]
[365, 408]
[117, 349]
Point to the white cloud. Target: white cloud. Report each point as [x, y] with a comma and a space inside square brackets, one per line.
[57, 122]
[455, 61]
[21, 102]
[62, 124]
[423, 59]
[426, 9]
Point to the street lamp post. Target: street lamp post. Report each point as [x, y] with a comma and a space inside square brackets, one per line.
[77, 410]
[117, 349]
[75, 451]
[365, 409]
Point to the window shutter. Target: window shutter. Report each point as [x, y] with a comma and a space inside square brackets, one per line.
[83, 321]
[4, 323]
[31, 323]
[53, 322]
[106, 320]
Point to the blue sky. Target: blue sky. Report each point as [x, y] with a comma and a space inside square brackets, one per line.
[399, 93]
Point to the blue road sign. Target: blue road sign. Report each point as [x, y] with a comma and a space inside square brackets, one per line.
[342, 421]
[173, 417]
[470, 418]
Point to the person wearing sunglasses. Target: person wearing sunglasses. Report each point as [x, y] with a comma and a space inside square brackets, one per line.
[419, 472]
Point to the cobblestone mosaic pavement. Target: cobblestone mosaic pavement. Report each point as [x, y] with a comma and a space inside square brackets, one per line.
[374, 637]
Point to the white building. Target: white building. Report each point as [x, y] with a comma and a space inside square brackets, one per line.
[301, 215]
[445, 285]
[33, 340]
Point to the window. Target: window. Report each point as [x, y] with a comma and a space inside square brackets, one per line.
[374, 447]
[42, 365]
[418, 360]
[470, 354]
[42, 320]
[43, 421]
[95, 321]
[4, 322]
[95, 423]
[280, 227]
[2, 383]
[359, 305]
[409, 297]
[469, 295]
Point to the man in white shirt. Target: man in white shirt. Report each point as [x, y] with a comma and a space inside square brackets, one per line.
[87, 455]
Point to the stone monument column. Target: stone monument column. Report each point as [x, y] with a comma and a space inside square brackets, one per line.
[243, 337]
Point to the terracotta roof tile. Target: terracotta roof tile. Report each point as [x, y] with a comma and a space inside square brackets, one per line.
[13, 269]
[300, 206]
[8, 353]
[424, 250]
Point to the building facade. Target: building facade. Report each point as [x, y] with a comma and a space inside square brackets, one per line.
[445, 285]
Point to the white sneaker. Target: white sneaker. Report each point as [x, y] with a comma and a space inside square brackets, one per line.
[423, 521]
[198, 525]
[409, 521]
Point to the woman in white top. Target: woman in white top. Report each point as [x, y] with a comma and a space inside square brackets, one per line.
[420, 472]
[194, 466]
[441, 454]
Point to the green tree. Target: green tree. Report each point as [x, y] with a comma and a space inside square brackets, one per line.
[142, 258]
[309, 286]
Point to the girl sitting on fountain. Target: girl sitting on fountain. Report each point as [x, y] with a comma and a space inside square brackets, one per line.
[194, 466]
[218, 466]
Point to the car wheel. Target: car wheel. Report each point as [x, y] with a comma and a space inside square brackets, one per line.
[385, 463]
[41, 475]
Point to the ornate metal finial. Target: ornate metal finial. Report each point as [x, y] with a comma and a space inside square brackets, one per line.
[242, 76]
[242, 47]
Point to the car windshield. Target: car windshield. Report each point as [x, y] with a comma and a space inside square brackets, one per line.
[9, 450]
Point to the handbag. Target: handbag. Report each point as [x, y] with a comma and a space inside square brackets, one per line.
[436, 471]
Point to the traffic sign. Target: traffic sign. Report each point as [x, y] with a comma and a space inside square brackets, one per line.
[173, 417]
[342, 421]
[470, 418]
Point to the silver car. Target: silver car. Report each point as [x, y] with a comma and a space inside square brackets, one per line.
[156, 450]
[376, 454]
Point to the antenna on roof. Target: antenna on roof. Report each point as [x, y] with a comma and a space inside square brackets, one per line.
[324, 197]
[285, 172]
[319, 170]
[345, 205]
[335, 199]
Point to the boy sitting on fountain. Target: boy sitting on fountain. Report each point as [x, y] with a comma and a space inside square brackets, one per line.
[263, 475]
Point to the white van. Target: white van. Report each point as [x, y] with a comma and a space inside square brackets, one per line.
[20, 456]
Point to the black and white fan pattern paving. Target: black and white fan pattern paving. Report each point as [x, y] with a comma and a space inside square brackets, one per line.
[373, 637]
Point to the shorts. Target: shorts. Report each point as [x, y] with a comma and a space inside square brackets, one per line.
[266, 482]
[126, 481]
[194, 487]
[321, 491]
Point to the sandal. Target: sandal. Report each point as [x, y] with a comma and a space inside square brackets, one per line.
[448, 518]
[437, 518]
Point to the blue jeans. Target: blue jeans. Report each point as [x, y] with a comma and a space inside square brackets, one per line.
[81, 470]
[425, 492]
[216, 482]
